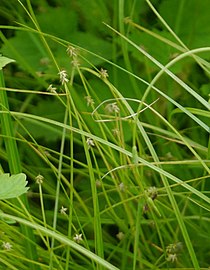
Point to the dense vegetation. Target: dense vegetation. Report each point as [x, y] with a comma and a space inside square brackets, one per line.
[105, 116]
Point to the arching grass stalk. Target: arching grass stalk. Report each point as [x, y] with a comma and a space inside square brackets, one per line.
[15, 166]
[63, 239]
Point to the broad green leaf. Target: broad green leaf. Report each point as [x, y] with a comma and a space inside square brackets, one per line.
[12, 186]
[4, 61]
[60, 21]
[92, 14]
[190, 21]
[30, 48]
[46, 109]
[161, 51]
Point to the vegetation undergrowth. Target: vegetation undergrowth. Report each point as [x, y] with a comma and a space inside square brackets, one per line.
[106, 111]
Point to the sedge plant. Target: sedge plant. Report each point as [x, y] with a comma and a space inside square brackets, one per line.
[109, 120]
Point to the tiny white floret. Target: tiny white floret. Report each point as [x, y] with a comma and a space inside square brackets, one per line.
[51, 89]
[103, 73]
[6, 246]
[78, 238]
[63, 210]
[90, 143]
[172, 258]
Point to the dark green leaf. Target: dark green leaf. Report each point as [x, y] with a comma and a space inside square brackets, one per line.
[189, 19]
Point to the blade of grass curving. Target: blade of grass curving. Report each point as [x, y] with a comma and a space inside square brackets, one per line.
[63, 42]
[162, 172]
[183, 109]
[62, 239]
[194, 111]
[172, 200]
[171, 63]
[172, 75]
[15, 165]
[165, 182]
[166, 41]
[38, 120]
[166, 185]
[203, 65]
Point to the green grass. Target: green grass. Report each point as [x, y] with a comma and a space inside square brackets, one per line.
[117, 155]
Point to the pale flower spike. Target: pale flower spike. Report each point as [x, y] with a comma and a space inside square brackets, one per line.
[89, 100]
[75, 62]
[71, 51]
[39, 179]
[112, 108]
[63, 77]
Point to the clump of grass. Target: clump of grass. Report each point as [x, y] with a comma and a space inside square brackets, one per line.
[115, 145]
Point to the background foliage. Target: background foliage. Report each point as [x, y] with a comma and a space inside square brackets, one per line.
[139, 192]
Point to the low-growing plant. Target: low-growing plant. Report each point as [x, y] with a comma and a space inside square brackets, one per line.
[105, 109]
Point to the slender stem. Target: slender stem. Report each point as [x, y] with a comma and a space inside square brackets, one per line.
[58, 188]
[15, 167]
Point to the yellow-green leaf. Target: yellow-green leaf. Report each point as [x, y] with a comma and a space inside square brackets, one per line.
[4, 61]
[12, 186]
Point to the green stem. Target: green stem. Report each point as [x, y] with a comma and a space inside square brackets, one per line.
[15, 167]
[64, 240]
